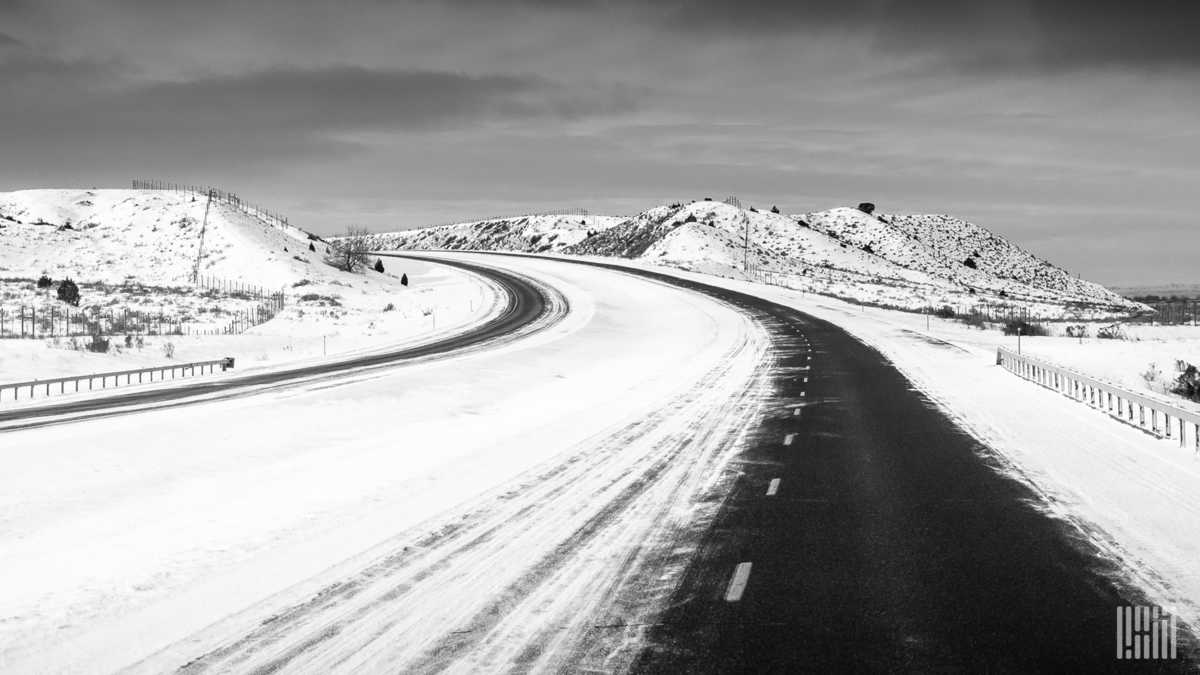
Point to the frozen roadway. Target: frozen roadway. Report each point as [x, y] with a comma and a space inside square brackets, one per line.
[623, 471]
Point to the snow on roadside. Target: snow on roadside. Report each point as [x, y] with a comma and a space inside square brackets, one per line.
[116, 548]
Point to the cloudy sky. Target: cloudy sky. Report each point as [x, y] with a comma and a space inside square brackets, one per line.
[1070, 126]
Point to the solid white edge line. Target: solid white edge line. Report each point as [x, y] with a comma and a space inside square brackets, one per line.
[737, 583]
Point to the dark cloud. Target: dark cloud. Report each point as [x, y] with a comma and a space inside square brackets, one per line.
[340, 99]
[9, 42]
[348, 98]
[271, 116]
[1036, 34]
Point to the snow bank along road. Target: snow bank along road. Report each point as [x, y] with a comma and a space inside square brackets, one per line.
[674, 477]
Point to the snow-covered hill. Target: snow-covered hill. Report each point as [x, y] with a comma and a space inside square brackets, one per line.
[537, 234]
[905, 261]
[136, 250]
[957, 250]
[151, 236]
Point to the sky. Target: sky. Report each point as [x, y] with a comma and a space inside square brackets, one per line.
[1069, 126]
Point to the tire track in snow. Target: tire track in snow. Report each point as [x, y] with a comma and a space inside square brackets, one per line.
[522, 577]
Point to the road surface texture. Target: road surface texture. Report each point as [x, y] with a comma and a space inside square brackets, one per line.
[528, 307]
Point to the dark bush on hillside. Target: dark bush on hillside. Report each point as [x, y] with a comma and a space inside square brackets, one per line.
[708, 199]
[404, 279]
[867, 208]
[1004, 294]
[1187, 384]
[970, 262]
[44, 282]
[753, 210]
[944, 312]
[379, 265]
[1077, 331]
[312, 247]
[99, 344]
[690, 219]
[868, 248]
[1017, 327]
[774, 209]
[68, 292]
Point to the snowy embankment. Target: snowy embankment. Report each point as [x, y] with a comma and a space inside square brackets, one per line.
[1135, 497]
[138, 249]
[373, 519]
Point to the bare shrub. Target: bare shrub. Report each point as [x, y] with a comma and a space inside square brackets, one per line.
[350, 252]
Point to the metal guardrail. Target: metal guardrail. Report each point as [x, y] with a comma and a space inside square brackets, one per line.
[1152, 416]
[60, 383]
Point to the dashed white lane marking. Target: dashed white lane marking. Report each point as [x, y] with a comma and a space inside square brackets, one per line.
[806, 380]
[803, 394]
[773, 487]
[796, 412]
[787, 440]
[737, 584]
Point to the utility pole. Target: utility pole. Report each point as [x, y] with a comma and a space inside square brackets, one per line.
[746, 262]
[203, 229]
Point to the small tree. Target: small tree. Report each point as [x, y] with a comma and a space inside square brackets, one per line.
[44, 282]
[867, 208]
[970, 262]
[774, 209]
[68, 292]
[311, 247]
[404, 279]
[379, 265]
[350, 252]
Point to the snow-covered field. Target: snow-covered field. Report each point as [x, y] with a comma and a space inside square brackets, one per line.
[199, 523]
[136, 249]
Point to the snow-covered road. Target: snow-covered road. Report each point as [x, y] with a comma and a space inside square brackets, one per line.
[469, 512]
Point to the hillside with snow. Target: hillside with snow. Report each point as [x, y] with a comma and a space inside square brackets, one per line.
[535, 234]
[957, 250]
[152, 236]
[135, 251]
[911, 262]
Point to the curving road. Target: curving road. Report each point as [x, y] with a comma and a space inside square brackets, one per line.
[529, 306]
[685, 479]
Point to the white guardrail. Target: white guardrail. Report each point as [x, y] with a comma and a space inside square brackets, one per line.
[1154, 417]
[58, 385]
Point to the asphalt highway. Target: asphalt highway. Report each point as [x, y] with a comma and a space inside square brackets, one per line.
[867, 532]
